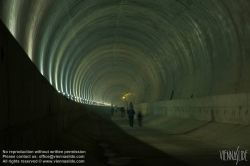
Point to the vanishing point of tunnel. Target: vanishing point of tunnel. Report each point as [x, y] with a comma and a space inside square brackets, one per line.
[183, 64]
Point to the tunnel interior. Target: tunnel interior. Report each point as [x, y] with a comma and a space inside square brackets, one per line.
[184, 64]
[99, 51]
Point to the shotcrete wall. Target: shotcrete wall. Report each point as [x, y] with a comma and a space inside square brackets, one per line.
[232, 108]
[32, 113]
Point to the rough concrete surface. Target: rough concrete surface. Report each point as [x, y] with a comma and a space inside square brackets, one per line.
[156, 50]
[230, 108]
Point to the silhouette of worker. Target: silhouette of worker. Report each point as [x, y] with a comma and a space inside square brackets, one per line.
[131, 113]
[122, 111]
[139, 117]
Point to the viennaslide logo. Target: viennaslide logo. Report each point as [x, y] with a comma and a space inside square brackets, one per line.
[233, 155]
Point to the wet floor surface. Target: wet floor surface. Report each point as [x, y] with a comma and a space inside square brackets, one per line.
[116, 143]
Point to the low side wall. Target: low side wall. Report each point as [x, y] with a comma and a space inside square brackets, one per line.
[32, 113]
[102, 111]
[232, 108]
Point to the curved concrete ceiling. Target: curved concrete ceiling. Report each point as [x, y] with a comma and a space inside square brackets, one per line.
[100, 50]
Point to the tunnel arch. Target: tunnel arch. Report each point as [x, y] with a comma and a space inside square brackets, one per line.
[100, 50]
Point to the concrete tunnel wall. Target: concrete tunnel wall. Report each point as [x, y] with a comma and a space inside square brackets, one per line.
[101, 50]
[231, 108]
[32, 113]
[199, 57]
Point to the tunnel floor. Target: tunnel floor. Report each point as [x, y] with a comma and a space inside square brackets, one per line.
[116, 143]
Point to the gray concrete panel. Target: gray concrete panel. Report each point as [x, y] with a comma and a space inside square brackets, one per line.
[231, 108]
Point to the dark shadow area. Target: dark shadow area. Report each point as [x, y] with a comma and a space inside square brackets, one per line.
[172, 95]
[107, 144]
[2, 54]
